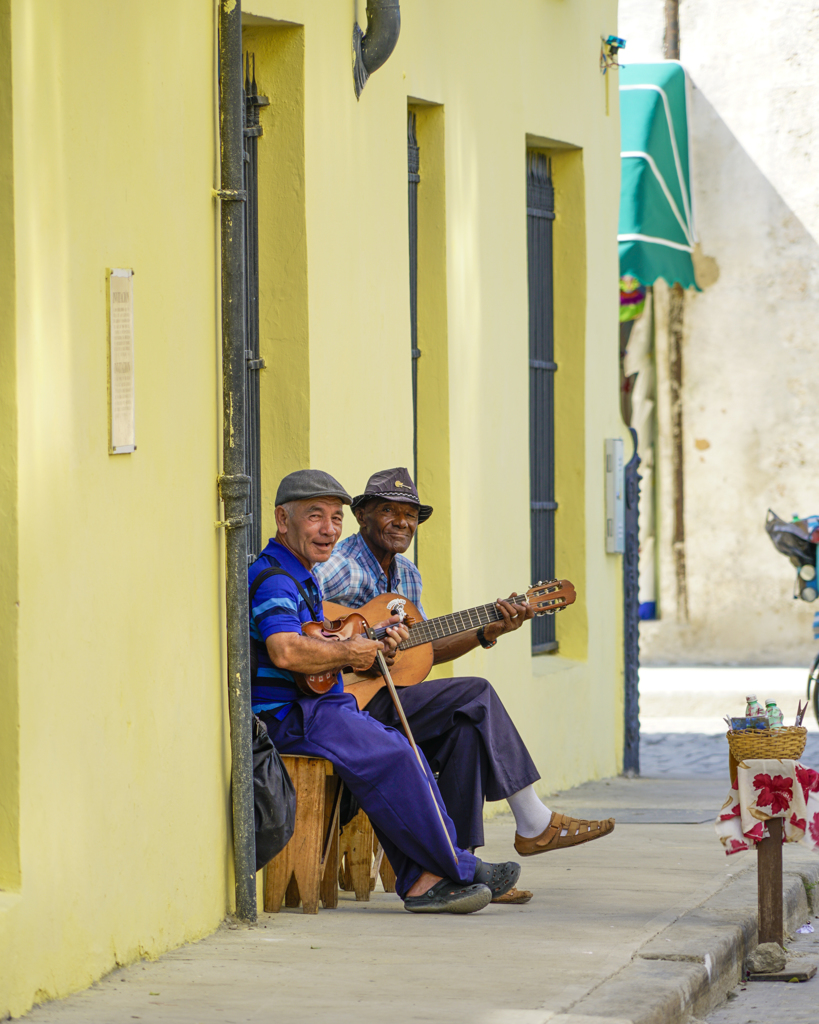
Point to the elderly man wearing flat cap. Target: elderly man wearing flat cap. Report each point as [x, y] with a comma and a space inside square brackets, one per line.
[375, 761]
[460, 724]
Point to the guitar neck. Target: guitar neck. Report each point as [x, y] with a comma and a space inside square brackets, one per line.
[456, 622]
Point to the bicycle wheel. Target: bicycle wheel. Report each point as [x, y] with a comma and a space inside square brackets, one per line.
[813, 684]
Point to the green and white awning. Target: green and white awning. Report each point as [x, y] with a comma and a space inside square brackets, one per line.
[656, 234]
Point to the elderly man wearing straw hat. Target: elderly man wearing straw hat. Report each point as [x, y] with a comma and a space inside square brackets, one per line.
[460, 723]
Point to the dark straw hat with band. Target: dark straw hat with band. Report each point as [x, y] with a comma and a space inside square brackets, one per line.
[393, 485]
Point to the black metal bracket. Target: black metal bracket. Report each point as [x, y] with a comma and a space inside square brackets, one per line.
[237, 522]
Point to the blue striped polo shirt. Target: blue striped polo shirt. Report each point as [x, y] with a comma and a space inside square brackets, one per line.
[278, 607]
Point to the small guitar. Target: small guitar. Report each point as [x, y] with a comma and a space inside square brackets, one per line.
[413, 659]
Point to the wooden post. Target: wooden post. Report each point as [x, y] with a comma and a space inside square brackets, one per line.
[676, 307]
[769, 882]
[768, 875]
[671, 43]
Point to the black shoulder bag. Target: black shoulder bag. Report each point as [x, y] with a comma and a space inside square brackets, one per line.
[274, 798]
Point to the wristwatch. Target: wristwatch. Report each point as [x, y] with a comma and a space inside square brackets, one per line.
[486, 644]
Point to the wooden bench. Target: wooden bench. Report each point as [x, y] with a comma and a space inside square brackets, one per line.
[316, 861]
[307, 868]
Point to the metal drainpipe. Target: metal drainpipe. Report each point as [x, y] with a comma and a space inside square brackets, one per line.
[373, 49]
[234, 484]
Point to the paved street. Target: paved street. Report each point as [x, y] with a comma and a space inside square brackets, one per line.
[681, 711]
[680, 754]
[569, 952]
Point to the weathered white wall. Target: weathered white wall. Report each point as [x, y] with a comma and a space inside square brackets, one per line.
[751, 408]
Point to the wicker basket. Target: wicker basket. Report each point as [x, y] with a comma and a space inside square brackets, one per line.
[782, 745]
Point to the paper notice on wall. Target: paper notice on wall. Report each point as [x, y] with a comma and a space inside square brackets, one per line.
[121, 357]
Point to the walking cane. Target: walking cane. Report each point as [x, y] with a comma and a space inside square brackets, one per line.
[381, 661]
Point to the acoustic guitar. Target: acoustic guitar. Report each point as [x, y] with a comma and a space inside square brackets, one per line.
[413, 659]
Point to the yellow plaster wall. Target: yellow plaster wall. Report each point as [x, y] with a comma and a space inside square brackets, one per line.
[495, 84]
[123, 767]
[9, 711]
[123, 758]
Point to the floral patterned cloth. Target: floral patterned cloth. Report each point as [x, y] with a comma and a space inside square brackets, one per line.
[770, 789]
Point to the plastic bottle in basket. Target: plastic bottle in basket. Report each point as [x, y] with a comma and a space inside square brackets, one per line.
[753, 708]
[775, 717]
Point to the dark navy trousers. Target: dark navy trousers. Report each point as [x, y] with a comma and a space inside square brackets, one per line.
[382, 772]
[469, 739]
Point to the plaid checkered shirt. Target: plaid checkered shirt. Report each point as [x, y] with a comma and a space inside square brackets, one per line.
[352, 576]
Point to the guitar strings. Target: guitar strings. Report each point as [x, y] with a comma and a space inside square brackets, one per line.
[445, 625]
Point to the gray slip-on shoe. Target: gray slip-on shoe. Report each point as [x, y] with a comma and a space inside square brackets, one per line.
[499, 877]
[448, 897]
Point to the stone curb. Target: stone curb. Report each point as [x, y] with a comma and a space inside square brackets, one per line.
[688, 969]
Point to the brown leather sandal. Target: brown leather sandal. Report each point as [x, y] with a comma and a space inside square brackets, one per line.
[577, 831]
[514, 896]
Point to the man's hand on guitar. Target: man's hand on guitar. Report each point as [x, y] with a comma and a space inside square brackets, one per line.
[514, 615]
[359, 652]
[396, 634]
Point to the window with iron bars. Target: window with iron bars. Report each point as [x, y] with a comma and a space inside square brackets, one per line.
[540, 215]
[253, 360]
[414, 177]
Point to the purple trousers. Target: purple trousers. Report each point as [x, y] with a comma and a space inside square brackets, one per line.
[377, 764]
[470, 742]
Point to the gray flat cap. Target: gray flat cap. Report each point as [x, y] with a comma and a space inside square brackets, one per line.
[310, 483]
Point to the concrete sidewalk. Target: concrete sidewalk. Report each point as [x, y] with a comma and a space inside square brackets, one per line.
[646, 925]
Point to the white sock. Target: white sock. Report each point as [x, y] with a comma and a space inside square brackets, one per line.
[532, 816]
